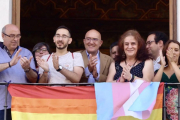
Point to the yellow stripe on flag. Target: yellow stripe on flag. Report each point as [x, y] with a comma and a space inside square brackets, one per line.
[40, 116]
[155, 115]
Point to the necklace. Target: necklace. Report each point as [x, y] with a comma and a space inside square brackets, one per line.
[131, 65]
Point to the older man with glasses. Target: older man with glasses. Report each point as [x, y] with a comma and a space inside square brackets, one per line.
[61, 66]
[155, 42]
[96, 64]
[16, 65]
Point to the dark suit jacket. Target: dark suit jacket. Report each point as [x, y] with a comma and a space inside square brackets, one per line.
[105, 62]
[1, 44]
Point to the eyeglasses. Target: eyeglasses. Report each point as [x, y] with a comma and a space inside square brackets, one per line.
[88, 39]
[41, 50]
[149, 43]
[12, 36]
[63, 36]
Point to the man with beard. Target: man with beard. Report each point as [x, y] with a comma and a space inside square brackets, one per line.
[61, 66]
[156, 41]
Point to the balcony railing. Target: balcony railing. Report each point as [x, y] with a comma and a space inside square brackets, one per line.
[89, 84]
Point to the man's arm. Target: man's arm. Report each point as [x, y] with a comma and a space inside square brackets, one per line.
[44, 78]
[30, 74]
[73, 76]
[13, 62]
[4, 66]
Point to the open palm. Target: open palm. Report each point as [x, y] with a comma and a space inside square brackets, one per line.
[162, 62]
[42, 63]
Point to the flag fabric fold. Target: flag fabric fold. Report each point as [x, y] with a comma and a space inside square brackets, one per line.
[130, 101]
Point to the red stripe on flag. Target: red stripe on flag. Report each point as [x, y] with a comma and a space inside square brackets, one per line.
[161, 88]
[68, 92]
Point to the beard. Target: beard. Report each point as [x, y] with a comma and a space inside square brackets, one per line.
[62, 47]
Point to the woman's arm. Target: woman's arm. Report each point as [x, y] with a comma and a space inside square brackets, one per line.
[158, 75]
[112, 72]
[174, 65]
[148, 71]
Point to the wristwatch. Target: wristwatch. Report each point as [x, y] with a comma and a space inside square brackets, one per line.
[27, 70]
[59, 69]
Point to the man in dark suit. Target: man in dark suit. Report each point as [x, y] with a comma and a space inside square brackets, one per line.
[96, 63]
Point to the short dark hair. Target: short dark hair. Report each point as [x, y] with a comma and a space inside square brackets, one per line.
[159, 36]
[113, 44]
[64, 27]
[38, 46]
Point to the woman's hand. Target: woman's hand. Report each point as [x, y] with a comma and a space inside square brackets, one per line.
[121, 79]
[43, 64]
[126, 72]
[169, 54]
[162, 58]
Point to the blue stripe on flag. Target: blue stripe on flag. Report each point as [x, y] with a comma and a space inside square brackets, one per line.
[146, 98]
[104, 103]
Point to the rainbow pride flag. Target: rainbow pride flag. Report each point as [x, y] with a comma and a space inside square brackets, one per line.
[52, 103]
[129, 101]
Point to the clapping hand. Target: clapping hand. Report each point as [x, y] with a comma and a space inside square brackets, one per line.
[126, 72]
[92, 62]
[25, 63]
[121, 79]
[15, 58]
[162, 58]
[55, 60]
[170, 55]
[42, 63]
[95, 74]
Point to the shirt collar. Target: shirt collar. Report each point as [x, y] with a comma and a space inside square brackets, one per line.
[157, 59]
[89, 54]
[6, 49]
[3, 46]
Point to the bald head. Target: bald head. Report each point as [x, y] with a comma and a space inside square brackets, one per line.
[92, 42]
[9, 27]
[93, 34]
[11, 36]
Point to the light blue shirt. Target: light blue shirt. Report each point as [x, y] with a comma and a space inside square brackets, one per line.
[15, 74]
[91, 79]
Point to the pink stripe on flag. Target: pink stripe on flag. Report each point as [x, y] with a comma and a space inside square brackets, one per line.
[147, 112]
[121, 93]
[143, 86]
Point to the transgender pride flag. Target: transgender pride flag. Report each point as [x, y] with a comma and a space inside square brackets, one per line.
[129, 101]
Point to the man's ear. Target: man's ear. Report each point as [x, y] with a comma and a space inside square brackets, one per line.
[84, 41]
[54, 39]
[2, 35]
[70, 40]
[160, 44]
[101, 43]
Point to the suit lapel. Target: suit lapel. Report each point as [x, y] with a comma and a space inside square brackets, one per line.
[85, 58]
[102, 62]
